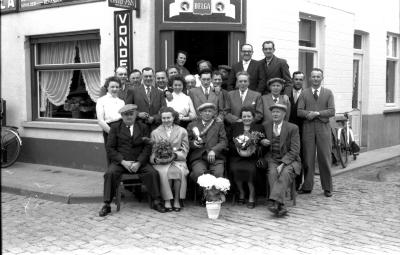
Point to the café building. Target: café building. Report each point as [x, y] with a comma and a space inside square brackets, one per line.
[56, 54]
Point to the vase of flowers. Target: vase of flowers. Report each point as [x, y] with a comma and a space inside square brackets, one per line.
[246, 144]
[163, 151]
[214, 192]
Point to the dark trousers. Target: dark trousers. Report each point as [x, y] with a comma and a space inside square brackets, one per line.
[317, 136]
[105, 136]
[279, 183]
[299, 178]
[200, 167]
[147, 174]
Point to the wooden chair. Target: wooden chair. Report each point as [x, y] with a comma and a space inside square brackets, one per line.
[131, 180]
[292, 192]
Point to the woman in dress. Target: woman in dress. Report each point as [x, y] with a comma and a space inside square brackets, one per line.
[172, 171]
[243, 166]
[107, 106]
[180, 102]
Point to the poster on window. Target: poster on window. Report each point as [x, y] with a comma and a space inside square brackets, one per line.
[39, 4]
[123, 39]
[203, 11]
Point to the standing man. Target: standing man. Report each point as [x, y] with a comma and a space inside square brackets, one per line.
[316, 105]
[129, 153]
[122, 74]
[225, 71]
[273, 67]
[282, 156]
[248, 65]
[181, 58]
[205, 94]
[243, 96]
[161, 81]
[148, 99]
[135, 78]
[295, 92]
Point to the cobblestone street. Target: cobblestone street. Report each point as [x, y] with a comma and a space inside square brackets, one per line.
[362, 217]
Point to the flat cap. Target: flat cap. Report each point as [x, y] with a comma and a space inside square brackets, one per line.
[272, 80]
[279, 106]
[206, 106]
[127, 108]
[226, 67]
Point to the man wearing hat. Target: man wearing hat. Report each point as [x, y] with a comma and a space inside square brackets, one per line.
[274, 97]
[129, 153]
[282, 156]
[207, 141]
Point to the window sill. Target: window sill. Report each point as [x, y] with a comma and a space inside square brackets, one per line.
[391, 110]
[62, 126]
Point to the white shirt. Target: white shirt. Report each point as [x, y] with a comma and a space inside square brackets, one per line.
[130, 129]
[182, 104]
[296, 94]
[107, 108]
[206, 90]
[279, 127]
[318, 90]
[246, 65]
[277, 99]
[243, 94]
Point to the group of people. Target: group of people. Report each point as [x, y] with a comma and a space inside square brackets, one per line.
[169, 124]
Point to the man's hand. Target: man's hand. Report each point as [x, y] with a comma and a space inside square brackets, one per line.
[197, 144]
[150, 119]
[312, 115]
[143, 115]
[218, 119]
[279, 168]
[239, 120]
[265, 142]
[127, 165]
[135, 166]
[169, 96]
[211, 157]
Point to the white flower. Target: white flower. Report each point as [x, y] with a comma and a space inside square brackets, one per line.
[206, 181]
[222, 184]
[196, 131]
[242, 138]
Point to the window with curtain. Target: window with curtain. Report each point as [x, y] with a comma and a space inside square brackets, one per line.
[67, 76]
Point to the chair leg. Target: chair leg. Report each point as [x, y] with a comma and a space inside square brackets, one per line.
[150, 201]
[118, 196]
[293, 192]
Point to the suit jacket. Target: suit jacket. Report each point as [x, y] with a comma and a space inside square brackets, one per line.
[277, 68]
[325, 105]
[198, 98]
[234, 105]
[256, 79]
[289, 144]
[293, 110]
[268, 101]
[215, 139]
[122, 146]
[138, 97]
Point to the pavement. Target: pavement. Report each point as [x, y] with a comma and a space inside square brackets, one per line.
[82, 186]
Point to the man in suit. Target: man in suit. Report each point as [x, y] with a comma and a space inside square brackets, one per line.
[243, 96]
[295, 92]
[148, 99]
[275, 86]
[129, 153]
[316, 105]
[273, 67]
[205, 94]
[248, 65]
[207, 141]
[282, 157]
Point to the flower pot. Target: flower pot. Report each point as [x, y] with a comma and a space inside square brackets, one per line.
[247, 152]
[213, 209]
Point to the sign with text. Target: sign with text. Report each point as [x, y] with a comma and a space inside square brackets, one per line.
[203, 11]
[125, 4]
[123, 39]
[40, 4]
[8, 6]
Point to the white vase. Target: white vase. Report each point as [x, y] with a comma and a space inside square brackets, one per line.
[213, 209]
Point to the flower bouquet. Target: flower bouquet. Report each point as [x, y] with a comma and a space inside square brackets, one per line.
[163, 151]
[196, 132]
[246, 144]
[214, 193]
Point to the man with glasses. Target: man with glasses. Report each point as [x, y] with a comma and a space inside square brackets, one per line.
[273, 67]
[248, 65]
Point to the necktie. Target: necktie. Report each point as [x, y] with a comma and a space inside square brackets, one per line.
[206, 93]
[242, 97]
[148, 93]
[275, 100]
[295, 96]
[316, 94]
[130, 129]
[276, 130]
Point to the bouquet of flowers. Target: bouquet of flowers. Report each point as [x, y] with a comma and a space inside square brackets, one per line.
[163, 152]
[196, 132]
[214, 188]
[246, 144]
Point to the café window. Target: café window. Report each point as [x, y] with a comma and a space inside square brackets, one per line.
[392, 68]
[66, 71]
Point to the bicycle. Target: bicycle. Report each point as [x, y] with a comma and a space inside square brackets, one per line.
[343, 140]
[11, 145]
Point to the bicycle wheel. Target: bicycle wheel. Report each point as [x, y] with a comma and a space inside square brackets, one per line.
[10, 147]
[341, 148]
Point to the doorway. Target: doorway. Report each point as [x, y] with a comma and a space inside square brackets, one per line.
[356, 101]
[208, 45]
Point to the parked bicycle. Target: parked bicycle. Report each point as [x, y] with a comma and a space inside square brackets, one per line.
[343, 140]
[11, 145]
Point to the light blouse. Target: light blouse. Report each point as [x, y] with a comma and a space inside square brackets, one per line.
[182, 104]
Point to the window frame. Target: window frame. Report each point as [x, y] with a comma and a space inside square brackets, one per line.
[57, 37]
[396, 59]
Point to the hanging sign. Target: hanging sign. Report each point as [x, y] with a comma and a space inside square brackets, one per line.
[8, 6]
[123, 39]
[125, 4]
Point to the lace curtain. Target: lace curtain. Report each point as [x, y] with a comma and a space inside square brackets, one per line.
[55, 85]
[89, 52]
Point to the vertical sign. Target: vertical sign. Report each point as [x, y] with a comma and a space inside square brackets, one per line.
[123, 39]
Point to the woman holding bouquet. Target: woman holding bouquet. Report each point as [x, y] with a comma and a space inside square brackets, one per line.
[170, 148]
[243, 144]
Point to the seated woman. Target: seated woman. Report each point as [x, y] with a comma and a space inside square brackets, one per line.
[243, 163]
[170, 148]
[181, 102]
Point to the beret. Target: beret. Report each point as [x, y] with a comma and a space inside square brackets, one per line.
[206, 106]
[127, 108]
[272, 80]
[279, 106]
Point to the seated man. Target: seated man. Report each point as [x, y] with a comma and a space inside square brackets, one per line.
[129, 153]
[207, 140]
[282, 156]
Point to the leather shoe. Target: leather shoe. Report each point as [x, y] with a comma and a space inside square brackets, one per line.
[106, 209]
[282, 211]
[251, 205]
[241, 201]
[327, 193]
[159, 208]
[273, 207]
[168, 209]
[176, 209]
[302, 191]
